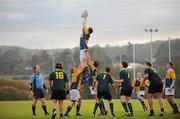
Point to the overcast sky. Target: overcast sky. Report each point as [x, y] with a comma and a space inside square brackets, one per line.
[57, 23]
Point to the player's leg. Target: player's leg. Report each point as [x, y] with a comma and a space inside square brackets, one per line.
[54, 103]
[129, 105]
[161, 104]
[43, 105]
[108, 96]
[124, 104]
[175, 108]
[78, 106]
[140, 95]
[72, 103]
[103, 107]
[61, 108]
[34, 102]
[150, 102]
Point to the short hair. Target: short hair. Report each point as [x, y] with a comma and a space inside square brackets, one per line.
[90, 30]
[58, 65]
[107, 69]
[124, 64]
[72, 70]
[96, 63]
[34, 68]
[148, 63]
[171, 64]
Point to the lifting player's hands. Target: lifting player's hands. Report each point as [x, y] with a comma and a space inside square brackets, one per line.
[84, 14]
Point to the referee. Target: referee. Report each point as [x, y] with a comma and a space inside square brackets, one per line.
[36, 86]
[59, 84]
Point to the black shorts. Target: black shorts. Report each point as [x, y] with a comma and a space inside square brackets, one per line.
[38, 93]
[156, 88]
[58, 95]
[126, 91]
[105, 94]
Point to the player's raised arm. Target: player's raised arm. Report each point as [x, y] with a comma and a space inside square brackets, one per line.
[84, 15]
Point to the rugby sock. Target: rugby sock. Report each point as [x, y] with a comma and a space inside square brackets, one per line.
[162, 109]
[44, 109]
[61, 115]
[53, 110]
[101, 101]
[68, 110]
[125, 107]
[143, 104]
[33, 109]
[151, 111]
[130, 108]
[78, 106]
[95, 107]
[175, 108]
[111, 108]
[101, 107]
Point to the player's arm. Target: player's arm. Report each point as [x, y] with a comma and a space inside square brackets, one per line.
[173, 77]
[146, 75]
[50, 79]
[113, 84]
[67, 84]
[84, 15]
[31, 84]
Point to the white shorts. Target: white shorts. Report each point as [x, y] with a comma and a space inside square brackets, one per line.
[82, 54]
[93, 91]
[140, 93]
[167, 92]
[74, 95]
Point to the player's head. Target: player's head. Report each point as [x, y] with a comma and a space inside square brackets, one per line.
[37, 69]
[147, 64]
[86, 70]
[139, 75]
[96, 63]
[90, 30]
[72, 70]
[58, 66]
[124, 64]
[107, 69]
[169, 65]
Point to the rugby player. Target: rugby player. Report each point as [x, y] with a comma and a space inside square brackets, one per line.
[139, 88]
[59, 85]
[155, 87]
[84, 38]
[126, 89]
[92, 76]
[103, 80]
[37, 87]
[169, 86]
[74, 92]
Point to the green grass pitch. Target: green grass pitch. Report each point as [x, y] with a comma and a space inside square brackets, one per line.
[22, 110]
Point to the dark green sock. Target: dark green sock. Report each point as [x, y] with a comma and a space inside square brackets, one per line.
[103, 107]
[78, 106]
[130, 108]
[95, 107]
[111, 108]
[44, 109]
[34, 110]
[68, 110]
[125, 107]
[162, 109]
[175, 108]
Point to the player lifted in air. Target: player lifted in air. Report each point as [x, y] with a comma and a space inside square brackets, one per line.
[103, 80]
[76, 78]
[86, 32]
[155, 87]
[169, 86]
[139, 87]
[59, 85]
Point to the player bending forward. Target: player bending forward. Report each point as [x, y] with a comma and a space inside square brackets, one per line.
[74, 92]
